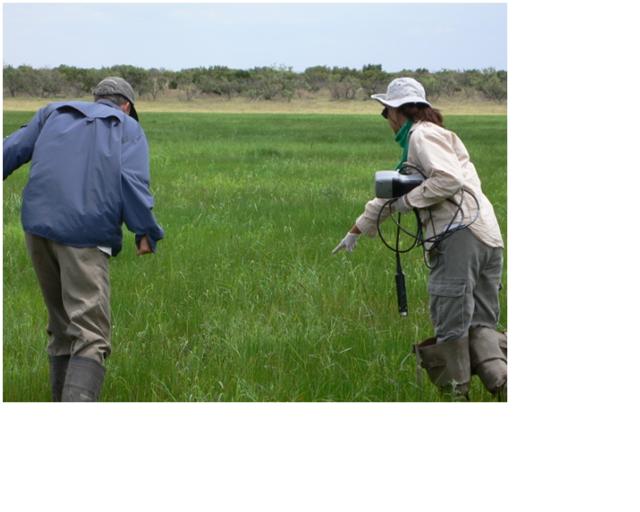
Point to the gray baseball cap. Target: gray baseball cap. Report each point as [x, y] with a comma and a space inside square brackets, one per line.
[402, 90]
[117, 85]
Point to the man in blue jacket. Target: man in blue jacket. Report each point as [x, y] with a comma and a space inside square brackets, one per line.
[89, 173]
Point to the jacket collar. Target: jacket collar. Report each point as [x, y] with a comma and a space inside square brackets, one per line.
[109, 103]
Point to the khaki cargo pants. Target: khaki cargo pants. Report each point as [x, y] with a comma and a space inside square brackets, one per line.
[76, 290]
[464, 286]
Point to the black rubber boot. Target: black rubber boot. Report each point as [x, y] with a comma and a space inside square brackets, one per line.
[57, 372]
[488, 349]
[448, 366]
[84, 380]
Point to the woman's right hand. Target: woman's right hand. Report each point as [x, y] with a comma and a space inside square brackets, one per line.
[348, 243]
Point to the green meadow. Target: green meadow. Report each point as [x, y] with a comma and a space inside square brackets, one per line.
[243, 300]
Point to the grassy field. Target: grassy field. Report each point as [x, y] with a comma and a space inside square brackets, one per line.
[244, 301]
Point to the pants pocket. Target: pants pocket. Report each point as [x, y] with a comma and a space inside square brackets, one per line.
[447, 307]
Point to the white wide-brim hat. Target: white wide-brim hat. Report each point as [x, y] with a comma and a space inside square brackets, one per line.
[401, 91]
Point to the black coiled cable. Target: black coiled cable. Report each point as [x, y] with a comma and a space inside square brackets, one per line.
[418, 238]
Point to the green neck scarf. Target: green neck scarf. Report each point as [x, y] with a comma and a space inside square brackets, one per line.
[402, 138]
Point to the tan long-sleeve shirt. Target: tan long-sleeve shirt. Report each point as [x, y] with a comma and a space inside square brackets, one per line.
[444, 160]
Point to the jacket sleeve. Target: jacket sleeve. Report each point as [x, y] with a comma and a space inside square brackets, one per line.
[17, 148]
[435, 154]
[136, 197]
[367, 223]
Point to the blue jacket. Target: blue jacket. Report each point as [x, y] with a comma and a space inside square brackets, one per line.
[89, 173]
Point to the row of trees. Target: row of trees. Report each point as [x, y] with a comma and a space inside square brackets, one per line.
[264, 83]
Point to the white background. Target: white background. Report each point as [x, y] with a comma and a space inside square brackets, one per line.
[567, 439]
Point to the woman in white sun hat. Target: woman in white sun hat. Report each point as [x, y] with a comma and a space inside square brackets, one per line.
[462, 241]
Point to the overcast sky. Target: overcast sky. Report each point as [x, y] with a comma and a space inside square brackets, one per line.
[177, 36]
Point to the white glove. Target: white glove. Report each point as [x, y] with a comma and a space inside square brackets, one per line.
[348, 243]
[400, 205]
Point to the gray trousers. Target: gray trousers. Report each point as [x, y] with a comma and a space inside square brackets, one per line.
[464, 286]
[76, 290]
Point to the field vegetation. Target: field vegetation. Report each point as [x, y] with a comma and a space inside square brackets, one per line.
[243, 300]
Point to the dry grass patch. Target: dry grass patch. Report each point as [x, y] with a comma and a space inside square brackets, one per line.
[295, 106]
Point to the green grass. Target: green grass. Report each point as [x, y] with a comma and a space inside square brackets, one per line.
[243, 301]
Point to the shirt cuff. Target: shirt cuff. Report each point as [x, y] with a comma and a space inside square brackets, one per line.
[406, 203]
[366, 227]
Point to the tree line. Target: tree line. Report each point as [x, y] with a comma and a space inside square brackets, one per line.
[259, 83]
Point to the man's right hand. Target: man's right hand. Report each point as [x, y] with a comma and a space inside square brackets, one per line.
[144, 247]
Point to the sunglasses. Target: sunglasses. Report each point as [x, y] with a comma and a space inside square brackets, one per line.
[385, 113]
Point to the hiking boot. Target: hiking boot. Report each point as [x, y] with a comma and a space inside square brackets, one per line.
[84, 380]
[488, 350]
[57, 372]
[447, 365]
